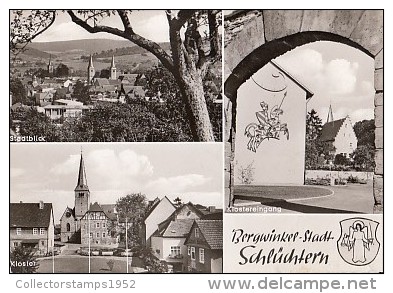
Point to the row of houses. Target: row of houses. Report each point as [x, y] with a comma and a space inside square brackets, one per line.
[187, 237]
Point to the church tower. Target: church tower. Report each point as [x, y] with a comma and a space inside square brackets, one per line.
[50, 65]
[330, 115]
[113, 69]
[82, 193]
[90, 71]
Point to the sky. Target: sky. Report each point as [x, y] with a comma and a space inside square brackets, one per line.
[191, 171]
[337, 74]
[151, 24]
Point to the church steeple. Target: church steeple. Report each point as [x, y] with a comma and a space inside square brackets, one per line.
[82, 193]
[330, 114]
[50, 65]
[82, 181]
[113, 68]
[90, 70]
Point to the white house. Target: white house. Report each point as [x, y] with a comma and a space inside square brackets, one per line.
[340, 135]
[167, 243]
[271, 127]
[65, 109]
[32, 225]
[158, 212]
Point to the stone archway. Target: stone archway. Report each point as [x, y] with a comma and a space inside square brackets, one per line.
[254, 37]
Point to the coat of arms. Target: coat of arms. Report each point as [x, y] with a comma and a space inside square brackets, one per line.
[358, 244]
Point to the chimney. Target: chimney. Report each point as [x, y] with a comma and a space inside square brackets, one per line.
[41, 205]
[20, 201]
[212, 209]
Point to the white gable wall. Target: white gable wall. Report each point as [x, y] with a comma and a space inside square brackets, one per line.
[346, 141]
[161, 212]
[275, 161]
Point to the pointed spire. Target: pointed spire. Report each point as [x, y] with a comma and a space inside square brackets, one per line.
[330, 114]
[82, 181]
[91, 61]
[50, 59]
[113, 62]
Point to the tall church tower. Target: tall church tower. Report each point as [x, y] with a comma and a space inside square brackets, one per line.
[82, 193]
[90, 71]
[113, 69]
[50, 65]
[330, 114]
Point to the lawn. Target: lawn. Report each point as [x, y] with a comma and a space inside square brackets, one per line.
[278, 193]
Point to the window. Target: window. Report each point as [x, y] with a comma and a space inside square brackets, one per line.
[103, 234]
[68, 227]
[350, 144]
[42, 243]
[196, 233]
[103, 225]
[91, 235]
[18, 231]
[193, 253]
[201, 255]
[16, 244]
[97, 225]
[42, 231]
[35, 231]
[175, 250]
[188, 250]
[98, 235]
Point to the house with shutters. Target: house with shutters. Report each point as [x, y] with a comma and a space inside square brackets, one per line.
[339, 136]
[32, 225]
[168, 241]
[204, 246]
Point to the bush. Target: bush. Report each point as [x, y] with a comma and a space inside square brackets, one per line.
[318, 181]
[339, 181]
[355, 179]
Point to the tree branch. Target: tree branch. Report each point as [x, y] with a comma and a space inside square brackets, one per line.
[213, 33]
[182, 17]
[25, 40]
[128, 34]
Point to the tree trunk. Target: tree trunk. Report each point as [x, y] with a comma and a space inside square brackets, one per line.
[191, 88]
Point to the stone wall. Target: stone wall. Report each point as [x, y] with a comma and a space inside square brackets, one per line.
[314, 174]
[254, 37]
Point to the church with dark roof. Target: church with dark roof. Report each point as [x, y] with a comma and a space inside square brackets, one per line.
[86, 221]
[338, 135]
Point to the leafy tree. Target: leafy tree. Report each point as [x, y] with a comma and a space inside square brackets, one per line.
[340, 159]
[132, 208]
[81, 93]
[153, 264]
[363, 157]
[313, 146]
[18, 91]
[35, 123]
[62, 70]
[364, 154]
[188, 61]
[127, 122]
[24, 255]
[42, 73]
[105, 73]
[365, 132]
